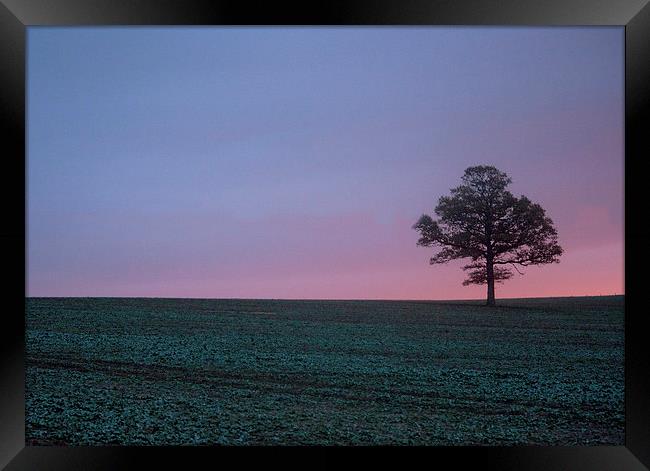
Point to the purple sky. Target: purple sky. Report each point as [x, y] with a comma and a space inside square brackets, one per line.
[292, 162]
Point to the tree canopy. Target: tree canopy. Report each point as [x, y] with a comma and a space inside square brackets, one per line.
[482, 221]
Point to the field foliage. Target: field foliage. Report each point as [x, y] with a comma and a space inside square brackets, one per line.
[203, 372]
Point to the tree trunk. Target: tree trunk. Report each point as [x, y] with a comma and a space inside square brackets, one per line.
[489, 260]
[490, 282]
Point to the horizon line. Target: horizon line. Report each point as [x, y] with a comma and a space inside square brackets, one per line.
[331, 299]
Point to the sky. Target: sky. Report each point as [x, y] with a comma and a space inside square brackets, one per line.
[292, 163]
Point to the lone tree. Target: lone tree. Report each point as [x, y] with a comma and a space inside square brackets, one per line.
[484, 222]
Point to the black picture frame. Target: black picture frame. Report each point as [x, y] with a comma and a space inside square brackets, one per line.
[17, 15]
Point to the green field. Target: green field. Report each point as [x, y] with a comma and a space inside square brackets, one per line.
[182, 371]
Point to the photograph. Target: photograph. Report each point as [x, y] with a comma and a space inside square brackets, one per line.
[325, 236]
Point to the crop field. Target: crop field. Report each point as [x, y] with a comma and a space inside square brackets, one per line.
[133, 371]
